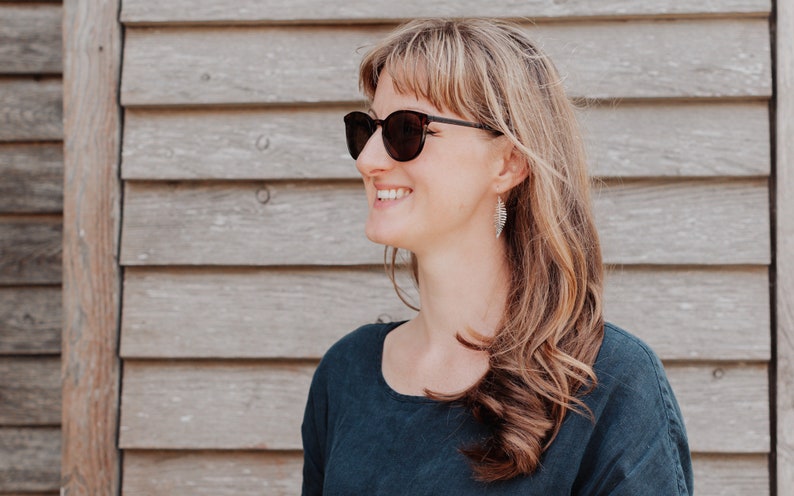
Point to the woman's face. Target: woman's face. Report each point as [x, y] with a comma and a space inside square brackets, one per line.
[445, 196]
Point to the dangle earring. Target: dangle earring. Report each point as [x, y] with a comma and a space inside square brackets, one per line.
[499, 216]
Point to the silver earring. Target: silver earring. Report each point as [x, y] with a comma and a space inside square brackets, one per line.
[499, 216]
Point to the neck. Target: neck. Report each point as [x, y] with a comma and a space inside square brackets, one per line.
[461, 290]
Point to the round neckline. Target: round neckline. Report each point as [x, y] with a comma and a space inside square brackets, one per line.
[407, 398]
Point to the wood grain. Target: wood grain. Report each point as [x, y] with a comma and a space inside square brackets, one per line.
[32, 178]
[29, 459]
[247, 65]
[214, 473]
[31, 109]
[30, 320]
[30, 250]
[31, 391]
[91, 274]
[684, 314]
[244, 405]
[149, 11]
[30, 39]
[784, 256]
[629, 140]
[683, 222]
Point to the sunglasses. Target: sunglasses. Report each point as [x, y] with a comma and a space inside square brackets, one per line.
[403, 132]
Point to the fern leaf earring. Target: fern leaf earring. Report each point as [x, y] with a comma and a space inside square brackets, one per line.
[499, 216]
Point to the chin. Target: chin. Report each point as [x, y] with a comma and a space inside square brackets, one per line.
[384, 236]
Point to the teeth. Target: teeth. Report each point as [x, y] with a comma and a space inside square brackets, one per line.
[392, 194]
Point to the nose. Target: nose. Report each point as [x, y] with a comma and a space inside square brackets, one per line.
[373, 159]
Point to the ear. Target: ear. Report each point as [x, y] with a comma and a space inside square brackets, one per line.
[512, 168]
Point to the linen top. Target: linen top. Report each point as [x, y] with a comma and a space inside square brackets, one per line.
[361, 437]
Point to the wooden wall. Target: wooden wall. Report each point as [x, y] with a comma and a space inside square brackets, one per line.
[242, 241]
[31, 196]
[242, 235]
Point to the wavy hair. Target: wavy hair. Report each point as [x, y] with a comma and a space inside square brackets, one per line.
[542, 352]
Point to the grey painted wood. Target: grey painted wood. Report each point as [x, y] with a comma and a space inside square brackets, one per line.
[31, 109]
[256, 223]
[31, 391]
[244, 405]
[29, 459]
[32, 178]
[683, 313]
[246, 65]
[149, 11]
[784, 199]
[630, 140]
[205, 473]
[30, 320]
[30, 39]
[30, 250]
[731, 475]
[91, 368]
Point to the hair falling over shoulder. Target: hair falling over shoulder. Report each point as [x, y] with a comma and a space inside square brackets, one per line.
[542, 353]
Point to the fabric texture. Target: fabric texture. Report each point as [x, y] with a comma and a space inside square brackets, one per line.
[361, 437]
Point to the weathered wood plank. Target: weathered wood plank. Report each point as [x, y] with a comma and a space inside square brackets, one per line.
[30, 251]
[149, 11]
[30, 39]
[212, 473]
[32, 178]
[244, 65]
[197, 473]
[693, 139]
[29, 459]
[200, 405]
[683, 222]
[719, 314]
[784, 199]
[91, 275]
[30, 109]
[30, 320]
[31, 391]
[731, 475]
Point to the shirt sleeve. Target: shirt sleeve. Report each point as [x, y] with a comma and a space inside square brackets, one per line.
[313, 433]
[639, 443]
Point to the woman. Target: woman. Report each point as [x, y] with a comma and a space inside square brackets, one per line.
[507, 381]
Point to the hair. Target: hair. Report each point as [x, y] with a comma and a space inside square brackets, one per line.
[542, 352]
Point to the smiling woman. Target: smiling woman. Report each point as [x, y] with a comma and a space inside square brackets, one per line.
[507, 380]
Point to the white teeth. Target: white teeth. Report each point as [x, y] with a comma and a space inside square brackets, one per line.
[392, 194]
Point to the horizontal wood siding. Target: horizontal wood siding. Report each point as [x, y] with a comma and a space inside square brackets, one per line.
[711, 140]
[243, 214]
[221, 405]
[684, 222]
[30, 38]
[683, 313]
[244, 11]
[246, 65]
[31, 198]
[246, 473]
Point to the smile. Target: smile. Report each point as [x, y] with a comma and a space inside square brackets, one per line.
[393, 194]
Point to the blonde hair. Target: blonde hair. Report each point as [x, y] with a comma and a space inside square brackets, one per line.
[541, 356]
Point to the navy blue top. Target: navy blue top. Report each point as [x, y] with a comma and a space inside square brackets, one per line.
[361, 437]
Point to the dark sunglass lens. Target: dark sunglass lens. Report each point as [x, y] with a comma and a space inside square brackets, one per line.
[403, 134]
[359, 128]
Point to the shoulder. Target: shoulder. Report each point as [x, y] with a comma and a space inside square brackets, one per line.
[363, 341]
[638, 423]
[626, 357]
[359, 349]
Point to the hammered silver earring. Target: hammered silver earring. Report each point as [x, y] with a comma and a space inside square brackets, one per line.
[499, 216]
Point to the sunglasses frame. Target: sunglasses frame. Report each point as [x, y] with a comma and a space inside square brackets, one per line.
[424, 120]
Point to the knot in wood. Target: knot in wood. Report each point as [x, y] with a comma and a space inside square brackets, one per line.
[263, 195]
